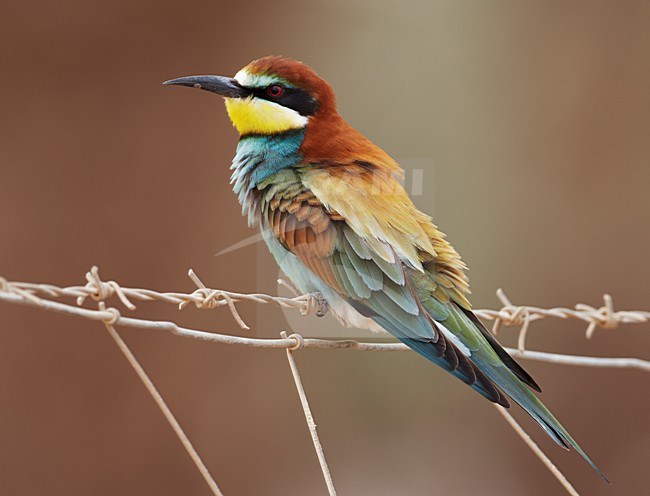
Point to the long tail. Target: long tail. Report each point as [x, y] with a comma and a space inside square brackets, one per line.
[516, 383]
[492, 360]
[514, 388]
[527, 400]
[464, 348]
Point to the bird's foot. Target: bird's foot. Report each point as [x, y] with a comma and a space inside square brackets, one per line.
[322, 306]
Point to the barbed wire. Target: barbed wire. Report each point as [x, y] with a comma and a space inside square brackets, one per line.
[509, 315]
[41, 295]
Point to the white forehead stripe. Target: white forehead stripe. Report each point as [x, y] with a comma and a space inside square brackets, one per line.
[248, 80]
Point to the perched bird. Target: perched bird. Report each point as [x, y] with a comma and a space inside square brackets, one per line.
[338, 222]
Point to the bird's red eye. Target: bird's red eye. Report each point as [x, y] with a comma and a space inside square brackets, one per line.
[275, 90]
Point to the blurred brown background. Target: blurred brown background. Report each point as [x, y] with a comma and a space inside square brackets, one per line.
[533, 118]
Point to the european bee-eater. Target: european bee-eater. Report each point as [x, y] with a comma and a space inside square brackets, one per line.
[337, 220]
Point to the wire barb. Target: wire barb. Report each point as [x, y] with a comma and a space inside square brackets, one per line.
[42, 295]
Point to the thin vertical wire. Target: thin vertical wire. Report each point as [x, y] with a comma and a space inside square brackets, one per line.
[160, 402]
[538, 452]
[311, 424]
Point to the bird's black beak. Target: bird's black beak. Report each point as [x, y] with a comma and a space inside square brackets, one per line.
[220, 85]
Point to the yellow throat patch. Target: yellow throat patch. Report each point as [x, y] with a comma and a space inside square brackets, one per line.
[258, 116]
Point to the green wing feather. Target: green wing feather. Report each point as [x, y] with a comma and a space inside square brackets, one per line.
[424, 310]
[493, 360]
[377, 288]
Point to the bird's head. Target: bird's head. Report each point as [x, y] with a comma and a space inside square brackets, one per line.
[270, 95]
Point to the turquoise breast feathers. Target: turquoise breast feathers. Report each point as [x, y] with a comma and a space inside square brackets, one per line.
[258, 158]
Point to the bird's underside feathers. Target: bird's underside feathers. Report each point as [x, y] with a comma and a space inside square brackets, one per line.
[423, 305]
[424, 308]
[360, 249]
[353, 227]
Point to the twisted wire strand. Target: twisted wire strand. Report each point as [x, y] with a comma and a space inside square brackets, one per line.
[42, 295]
[510, 315]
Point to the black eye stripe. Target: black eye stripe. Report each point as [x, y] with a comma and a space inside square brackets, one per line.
[294, 98]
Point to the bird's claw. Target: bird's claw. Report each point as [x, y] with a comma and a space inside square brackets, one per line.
[322, 305]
